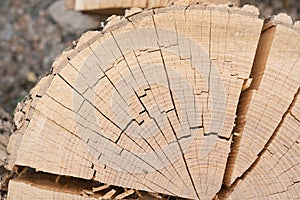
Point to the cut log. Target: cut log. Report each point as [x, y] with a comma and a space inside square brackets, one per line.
[269, 123]
[109, 6]
[273, 93]
[161, 101]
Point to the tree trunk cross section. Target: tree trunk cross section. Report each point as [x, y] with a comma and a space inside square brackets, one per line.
[197, 101]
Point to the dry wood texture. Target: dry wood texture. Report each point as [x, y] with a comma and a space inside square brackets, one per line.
[101, 5]
[42, 186]
[269, 147]
[38, 185]
[197, 101]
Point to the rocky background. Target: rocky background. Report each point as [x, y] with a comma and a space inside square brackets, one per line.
[34, 32]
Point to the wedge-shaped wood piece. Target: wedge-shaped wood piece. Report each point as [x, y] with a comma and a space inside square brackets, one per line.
[276, 175]
[267, 119]
[274, 92]
[148, 104]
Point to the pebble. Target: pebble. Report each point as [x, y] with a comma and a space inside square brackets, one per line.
[4, 5]
[72, 21]
[7, 33]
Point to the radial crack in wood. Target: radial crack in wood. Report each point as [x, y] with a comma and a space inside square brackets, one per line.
[257, 72]
[272, 100]
[262, 64]
[150, 104]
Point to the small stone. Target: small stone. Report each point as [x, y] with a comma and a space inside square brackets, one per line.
[7, 32]
[73, 21]
[4, 5]
[31, 77]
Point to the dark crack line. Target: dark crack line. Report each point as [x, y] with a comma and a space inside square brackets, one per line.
[174, 107]
[115, 86]
[181, 58]
[257, 71]
[169, 85]
[269, 142]
[90, 102]
[184, 159]
[113, 152]
[91, 88]
[146, 110]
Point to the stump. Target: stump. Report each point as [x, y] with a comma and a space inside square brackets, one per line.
[197, 101]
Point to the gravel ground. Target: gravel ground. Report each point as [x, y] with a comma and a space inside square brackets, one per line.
[6, 127]
[30, 41]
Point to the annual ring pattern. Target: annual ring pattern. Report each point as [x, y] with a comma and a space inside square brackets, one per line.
[146, 100]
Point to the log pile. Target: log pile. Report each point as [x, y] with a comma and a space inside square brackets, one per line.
[195, 101]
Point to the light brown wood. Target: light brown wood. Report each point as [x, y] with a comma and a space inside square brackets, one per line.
[109, 195]
[125, 194]
[170, 101]
[70, 4]
[100, 188]
[270, 127]
[29, 188]
[263, 110]
[104, 5]
[38, 185]
[277, 89]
